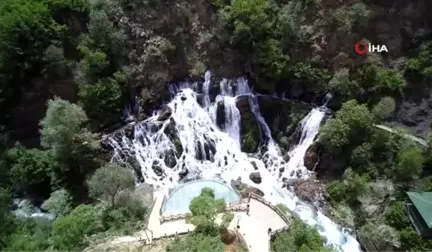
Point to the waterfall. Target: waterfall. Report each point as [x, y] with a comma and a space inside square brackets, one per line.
[206, 89]
[191, 145]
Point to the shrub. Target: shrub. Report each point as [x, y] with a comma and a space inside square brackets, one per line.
[101, 98]
[334, 135]
[384, 109]
[341, 84]
[59, 203]
[409, 163]
[397, 216]
[361, 156]
[420, 65]
[108, 181]
[69, 231]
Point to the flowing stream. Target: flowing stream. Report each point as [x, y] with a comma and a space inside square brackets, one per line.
[191, 145]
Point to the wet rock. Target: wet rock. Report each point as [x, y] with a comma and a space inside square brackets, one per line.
[311, 157]
[254, 165]
[170, 159]
[286, 157]
[220, 115]
[129, 130]
[183, 173]
[255, 177]
[238, 184]
[310, 190]
[281, 169]
[157, 168]
[165, 114]
[284, 142]
[198, 151]
[183, 98]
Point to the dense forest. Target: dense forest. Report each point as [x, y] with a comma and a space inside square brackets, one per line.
[69, 67]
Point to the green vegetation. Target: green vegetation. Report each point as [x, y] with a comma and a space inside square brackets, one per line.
[300, 237]
[98, 55]
[207, 235]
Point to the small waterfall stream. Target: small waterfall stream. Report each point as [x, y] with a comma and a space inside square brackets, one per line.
[208, 151]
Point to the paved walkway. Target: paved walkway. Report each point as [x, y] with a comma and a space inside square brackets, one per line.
[168, 228]
[253, 226]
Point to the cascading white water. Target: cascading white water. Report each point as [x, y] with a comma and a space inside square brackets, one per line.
[206, 89]
[209, 152]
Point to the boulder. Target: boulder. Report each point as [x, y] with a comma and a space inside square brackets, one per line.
[165, 114]
[310, 190]
[157, 168]
[311, 157]
[255, 177]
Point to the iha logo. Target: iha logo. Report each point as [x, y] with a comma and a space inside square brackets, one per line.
[362, 48]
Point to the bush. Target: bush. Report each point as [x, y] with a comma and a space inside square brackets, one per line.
[375, 79]
[409, 163]
[56, 63]
[420, 65]
[109, 181]
[361, 157]
[334, 135]
[69, 231]
[301, 237]
[102, 98]
[309, 76]
[397, 216]
[336, 191]
[384, 109]
[290, 25]
[59, 203]
[30, 169]
[341, 84]
[270, 59]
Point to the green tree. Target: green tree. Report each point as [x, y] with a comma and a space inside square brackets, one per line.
[104, 36]
[69, 231]
[420, 65]
[92, 67]
[411, 241]
[270, 59]
[56, 64]
[73, 146]
[291, 22]
[341, 84]
[385, 108]
[30, 235]
[27, 27]
[108, 181]
[30, 169]
[59, 203]
[409, 163]
[397, 216]
[361, 156]
[252, 22]
[301, 237]
[101, 98]
[334, 135]
[204, 210]
[376, 79]
[356, 116]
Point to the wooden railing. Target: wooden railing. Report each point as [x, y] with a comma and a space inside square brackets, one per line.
[173, 217]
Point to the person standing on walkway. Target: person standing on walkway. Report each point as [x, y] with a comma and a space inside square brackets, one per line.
[247, 209]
